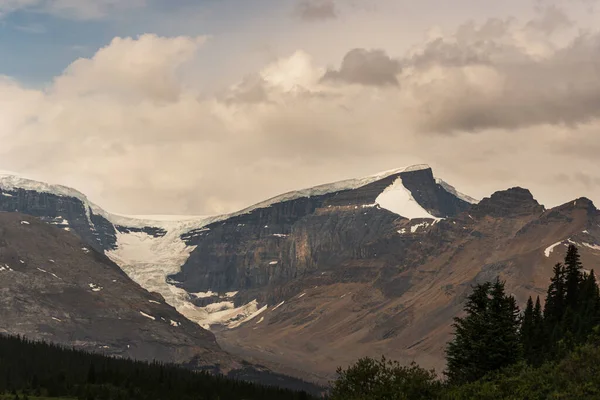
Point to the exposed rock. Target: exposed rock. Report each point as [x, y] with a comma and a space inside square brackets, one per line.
[56, 288]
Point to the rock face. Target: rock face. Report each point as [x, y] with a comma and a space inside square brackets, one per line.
[398, 293]
[314, 279]
[259, 251]
[56, 287]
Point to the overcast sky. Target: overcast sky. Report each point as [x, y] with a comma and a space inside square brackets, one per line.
[211, 105]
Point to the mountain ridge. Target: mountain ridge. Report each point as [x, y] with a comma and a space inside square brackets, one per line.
[320, 277]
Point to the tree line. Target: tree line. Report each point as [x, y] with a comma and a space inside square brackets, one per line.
[499, 352]
[30, 369]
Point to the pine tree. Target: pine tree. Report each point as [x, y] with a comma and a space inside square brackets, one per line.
[503, 333]
[527, 332]
[487, 338]
[554, 308]
[463, 355]
[589, 306]
[573, 277]
[538, 335]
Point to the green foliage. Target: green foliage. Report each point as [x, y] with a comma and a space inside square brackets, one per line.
[577, 376]
[40, 370]
[487, 338]
[384, 380]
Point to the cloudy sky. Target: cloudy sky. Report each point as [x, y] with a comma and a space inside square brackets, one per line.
[208, 106]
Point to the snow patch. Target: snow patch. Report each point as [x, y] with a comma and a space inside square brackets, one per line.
[153, 301]
[5, 268]
[25, 223]
[550, 248]
[62, 221]
[402, 231]
[398, 199]
[280, 235]
[260, 320]
[175, 323]
[302, 295]
[274, 262]
[414, 228]
[148, 316]
[95, 288]
[591, 246]
[277, 306]
[203, 295]
[247, 318]
[50, 273]
[56, 319]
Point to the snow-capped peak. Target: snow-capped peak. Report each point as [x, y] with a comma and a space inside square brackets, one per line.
[452, 190]
[333, 187]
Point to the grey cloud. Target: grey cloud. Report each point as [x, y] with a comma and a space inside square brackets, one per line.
[317, 10]
[252, 89]
[551, 19]
[366, 67]
[495, 83]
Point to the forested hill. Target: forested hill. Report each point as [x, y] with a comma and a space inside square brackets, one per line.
[31, 369]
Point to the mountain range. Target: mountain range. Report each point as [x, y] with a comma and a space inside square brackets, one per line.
[301, 283]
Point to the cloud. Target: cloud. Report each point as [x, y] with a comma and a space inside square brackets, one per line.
[501, 75]
[316, 10]
[491, 105]
[366, 67]
[551, 19]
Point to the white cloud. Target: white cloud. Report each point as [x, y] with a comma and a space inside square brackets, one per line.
[492, 105]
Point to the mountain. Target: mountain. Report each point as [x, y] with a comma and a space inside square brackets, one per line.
[316, 278]
[57, 288]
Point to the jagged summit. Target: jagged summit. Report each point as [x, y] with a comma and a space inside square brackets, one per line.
[513, 202]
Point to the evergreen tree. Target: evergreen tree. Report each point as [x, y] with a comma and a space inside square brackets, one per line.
[536, 356]
[589, 306]
[554, 308]
[504, 322]
[462, 354]
[487, 338]
[573, 277]
[527, 332]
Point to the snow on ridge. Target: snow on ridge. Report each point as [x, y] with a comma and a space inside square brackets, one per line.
[452, 190]
[184, 223]
[332, 187]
